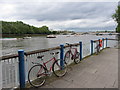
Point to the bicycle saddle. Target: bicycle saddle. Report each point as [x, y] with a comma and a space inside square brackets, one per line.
[54, 53]
[40, 56]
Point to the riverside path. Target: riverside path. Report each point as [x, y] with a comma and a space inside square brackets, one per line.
[96, 71]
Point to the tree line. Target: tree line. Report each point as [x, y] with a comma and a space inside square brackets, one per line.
[21, 28]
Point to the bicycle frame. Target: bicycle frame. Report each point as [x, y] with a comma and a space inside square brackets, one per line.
[45, 63]
[71, 51]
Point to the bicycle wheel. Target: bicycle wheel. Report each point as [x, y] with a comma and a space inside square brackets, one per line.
[37, 75]
[98, 49]
[67, 57]
[58, 70]
[77, 58]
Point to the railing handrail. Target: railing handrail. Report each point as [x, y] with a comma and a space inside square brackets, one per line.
[9, 56]
[112, 39]
[105, 39]
[35, 51]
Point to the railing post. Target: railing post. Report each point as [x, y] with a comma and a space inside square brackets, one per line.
[62, 55]
[103, 43]
[106, 42]
[21, 68]
[80, 51]
[91, 47]
[99, 43]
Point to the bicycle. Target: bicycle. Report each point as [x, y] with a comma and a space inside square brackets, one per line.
[38, 73]
[74, 56]
[97, 48]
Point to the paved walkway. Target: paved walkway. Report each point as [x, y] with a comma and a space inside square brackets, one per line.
[97, 71]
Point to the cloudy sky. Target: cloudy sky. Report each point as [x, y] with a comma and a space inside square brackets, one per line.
[61, 15]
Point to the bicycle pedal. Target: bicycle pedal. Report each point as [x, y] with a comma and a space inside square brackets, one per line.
[50, 73]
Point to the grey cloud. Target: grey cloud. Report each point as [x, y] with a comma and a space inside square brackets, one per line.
[64, 11]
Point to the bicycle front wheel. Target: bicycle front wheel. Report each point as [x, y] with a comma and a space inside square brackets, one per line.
[77, 58]
[58, 70]
[37, 75]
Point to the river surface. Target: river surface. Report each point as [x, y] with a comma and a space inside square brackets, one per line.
[12, 45]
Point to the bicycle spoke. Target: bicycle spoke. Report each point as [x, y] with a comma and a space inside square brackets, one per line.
[37, 75]
[58, 70]
[77, 58]
[67, 58]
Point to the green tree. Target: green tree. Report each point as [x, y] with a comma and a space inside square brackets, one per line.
[21, 28]
[116, 17]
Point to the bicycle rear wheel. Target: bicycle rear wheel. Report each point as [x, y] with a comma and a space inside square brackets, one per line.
[58, 70]
[97, 49]
[37, 75]
[77, 58]
[67, 57]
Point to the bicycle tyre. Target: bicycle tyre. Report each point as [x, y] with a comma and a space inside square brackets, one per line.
[67, 57]
[97, 49]
[58, 70]
[35, 79]
[77, 58]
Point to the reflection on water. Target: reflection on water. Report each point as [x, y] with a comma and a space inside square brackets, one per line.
[41, 42]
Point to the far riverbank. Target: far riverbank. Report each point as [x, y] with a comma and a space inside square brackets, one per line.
[20, 36]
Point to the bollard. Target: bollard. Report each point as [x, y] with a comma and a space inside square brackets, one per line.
[80, 51]
[106, 42]
[103, 43]
[62, 55]
[21, 68]
[91, 47]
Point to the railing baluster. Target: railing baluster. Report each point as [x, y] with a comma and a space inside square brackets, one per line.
[16, 72]
[26, 68]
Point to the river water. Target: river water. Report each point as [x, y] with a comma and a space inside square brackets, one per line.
[12, 45]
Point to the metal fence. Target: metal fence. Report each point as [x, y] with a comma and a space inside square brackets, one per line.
[10, 73]
[9, 65]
